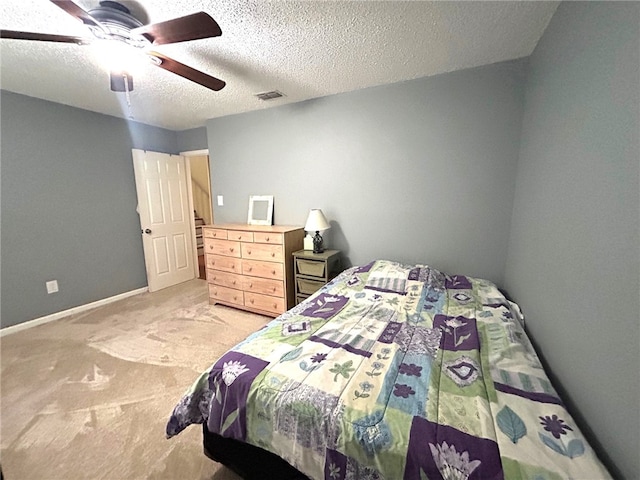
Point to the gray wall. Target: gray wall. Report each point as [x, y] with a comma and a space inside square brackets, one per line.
[419, 171]
[573, 262]
[192, 139]
[68, 205]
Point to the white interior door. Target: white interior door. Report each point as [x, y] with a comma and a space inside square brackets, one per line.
[165, 220]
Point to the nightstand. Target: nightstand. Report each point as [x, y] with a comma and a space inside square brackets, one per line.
[313, 270]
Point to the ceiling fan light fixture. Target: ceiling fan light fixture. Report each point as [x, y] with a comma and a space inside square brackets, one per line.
[118, 56]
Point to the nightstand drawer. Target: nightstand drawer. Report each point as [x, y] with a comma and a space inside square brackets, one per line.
[256, 268]
[263, 251]
[226, 264]
[222, 247]
[225, 294]
[310, 267]
[264, 302]
[230, 280]
[307, 286]
[263, 286]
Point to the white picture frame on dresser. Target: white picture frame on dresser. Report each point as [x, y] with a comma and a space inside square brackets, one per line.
[260, 210]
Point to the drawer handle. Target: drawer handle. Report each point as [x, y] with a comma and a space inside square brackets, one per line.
[248, 252]
[267, 239]
[233, 283]
[249, 269]
[251, 285]
[274, 289]
[273, 254]
[273, 272]
[231, 249]
[251, 300]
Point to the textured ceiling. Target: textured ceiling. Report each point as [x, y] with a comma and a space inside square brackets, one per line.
[305, 49]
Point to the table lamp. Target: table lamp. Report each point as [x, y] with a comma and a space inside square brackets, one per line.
[316, 221]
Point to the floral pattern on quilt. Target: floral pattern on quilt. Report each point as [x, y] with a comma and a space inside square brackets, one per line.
[394, 372]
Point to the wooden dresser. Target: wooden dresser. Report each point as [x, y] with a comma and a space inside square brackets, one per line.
[251, 266]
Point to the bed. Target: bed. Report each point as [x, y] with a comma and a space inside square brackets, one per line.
[390, 371]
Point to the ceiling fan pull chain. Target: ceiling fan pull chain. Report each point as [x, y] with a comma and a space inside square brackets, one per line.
[126, 93]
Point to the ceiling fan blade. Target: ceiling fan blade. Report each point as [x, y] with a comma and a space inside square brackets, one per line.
[187, 72]
[78, 12]
[191, 27]
[43, 37]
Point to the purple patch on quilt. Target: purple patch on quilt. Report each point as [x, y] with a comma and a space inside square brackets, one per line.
[230, 380]
[457, 282]
[458, 333]
[419, 274]
[534, 396]
[335, 465]
[390, 332]
[325, 306]
[346, 346]
[434, 449]
[364, 268]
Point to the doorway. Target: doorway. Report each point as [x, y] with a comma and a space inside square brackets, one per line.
[199, 172]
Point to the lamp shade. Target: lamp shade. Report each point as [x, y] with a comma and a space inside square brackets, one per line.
[316, 221]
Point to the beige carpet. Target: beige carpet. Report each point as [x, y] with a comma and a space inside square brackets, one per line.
[88, 396]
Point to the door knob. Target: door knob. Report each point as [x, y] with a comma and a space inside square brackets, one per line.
[147, 231]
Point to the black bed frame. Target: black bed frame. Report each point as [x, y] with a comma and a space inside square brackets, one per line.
[251, 463]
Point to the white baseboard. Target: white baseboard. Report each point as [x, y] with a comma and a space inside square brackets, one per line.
[65, 313]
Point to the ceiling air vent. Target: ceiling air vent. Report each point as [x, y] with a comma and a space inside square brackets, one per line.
[269, 95]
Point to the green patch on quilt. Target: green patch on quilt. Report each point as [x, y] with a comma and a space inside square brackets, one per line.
[511, 424]
[490, 390]
[200, 383]
[398, 439]
[306, 414]
[515, 469]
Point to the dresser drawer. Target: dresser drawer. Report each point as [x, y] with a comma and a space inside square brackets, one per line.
[226, 264]
[225, 279]
[215, 233]
[264, 302]
[240, 236]
[264, 286]
[256, 268]
[224, 294]
[263, 251]
[274, 238]
[222, 247]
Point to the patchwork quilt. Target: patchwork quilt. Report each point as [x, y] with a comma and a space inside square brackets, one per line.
[394, 371]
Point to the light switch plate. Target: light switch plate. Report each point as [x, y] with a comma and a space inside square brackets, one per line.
[52, 286]
[220, 201]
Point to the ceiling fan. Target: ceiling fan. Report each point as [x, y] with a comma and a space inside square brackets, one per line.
[113, 22]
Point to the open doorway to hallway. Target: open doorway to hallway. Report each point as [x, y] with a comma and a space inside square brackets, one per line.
[201, 199]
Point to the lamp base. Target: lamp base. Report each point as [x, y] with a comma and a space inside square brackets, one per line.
[317, 243]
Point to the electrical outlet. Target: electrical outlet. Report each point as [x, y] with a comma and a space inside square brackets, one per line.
[52, 286]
